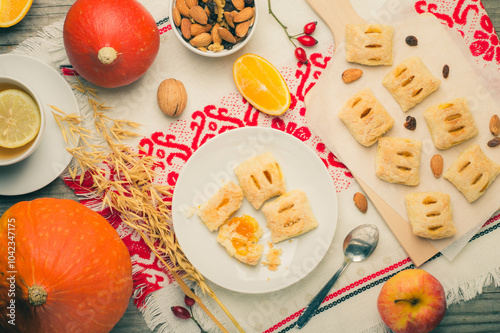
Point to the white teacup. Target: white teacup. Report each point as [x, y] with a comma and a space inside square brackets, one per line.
[13, 155]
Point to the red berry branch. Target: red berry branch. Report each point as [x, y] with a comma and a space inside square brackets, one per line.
[183, 313]
[303, 38]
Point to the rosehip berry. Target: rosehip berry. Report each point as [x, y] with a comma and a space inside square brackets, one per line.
[301, 55]
[310, 27]
[180, 312]
[307, 40]
[189, 301]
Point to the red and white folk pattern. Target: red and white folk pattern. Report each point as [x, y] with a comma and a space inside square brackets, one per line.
[177, 143]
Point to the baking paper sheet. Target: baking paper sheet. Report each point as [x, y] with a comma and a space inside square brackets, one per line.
[436, 47]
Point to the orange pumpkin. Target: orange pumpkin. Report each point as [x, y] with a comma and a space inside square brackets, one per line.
[63, 267]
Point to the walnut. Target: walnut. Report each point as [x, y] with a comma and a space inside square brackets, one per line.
[171, 97]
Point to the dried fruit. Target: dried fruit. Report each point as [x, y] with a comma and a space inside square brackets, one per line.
[238, 4]
[201, 40]
[229, 19]
[244, 15]
[226, 35]
[437, 165]
[307, 40]
[176, 15]
[446, 71]
[183, 8]
[411, 40]
[215, 34]
[310, 27]
[301, 55]
[241, 29]
[494, 142]
[191, 3]
[186, 28]
[360, 202]
[411, 123]
[495, 125]
[351, 75]
[197, 29]
[171, 97]
[198, 14]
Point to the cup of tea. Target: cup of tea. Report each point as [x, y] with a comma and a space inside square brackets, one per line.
[22, 120]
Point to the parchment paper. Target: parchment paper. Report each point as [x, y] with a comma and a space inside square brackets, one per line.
[436, 48]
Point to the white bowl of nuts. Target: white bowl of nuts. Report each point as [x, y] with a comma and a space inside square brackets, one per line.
[213, 28]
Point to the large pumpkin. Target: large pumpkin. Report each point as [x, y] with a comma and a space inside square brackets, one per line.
[63, 268]
[110, 43]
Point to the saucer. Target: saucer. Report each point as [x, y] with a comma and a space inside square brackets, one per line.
[50, 158]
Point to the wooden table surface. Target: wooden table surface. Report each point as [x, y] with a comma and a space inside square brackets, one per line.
[481, 314]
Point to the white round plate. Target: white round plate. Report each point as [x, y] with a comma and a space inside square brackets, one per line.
[210, 166]
[50, 158]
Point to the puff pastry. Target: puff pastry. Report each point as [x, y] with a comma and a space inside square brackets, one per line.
[369, 44]
[261, 178]
[240, 236]
[221, 205]
[365, 117]
[410, 83]
[472, 173]
[430, 214]
[398, 160]
[450, 123]
[289, 215]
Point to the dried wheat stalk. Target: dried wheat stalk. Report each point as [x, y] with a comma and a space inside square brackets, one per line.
[143, 205]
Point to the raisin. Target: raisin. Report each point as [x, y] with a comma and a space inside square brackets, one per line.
[494, 142]
[229, 7]
[411, 40]
[446, 71]
[411, 123]
[249, 3]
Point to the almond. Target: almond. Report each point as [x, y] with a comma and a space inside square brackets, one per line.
[191, 3]
[198, 14]
[197, 29]
[186, 28]
[495, 125]
[176, 15]
[229, 19]
[360, 202]
[242, 29]
[351, 75]
[226, 35]
[245, 15]
[215, 34]
[437, 165]
[183, 8]
[201, 40]
[239, 4]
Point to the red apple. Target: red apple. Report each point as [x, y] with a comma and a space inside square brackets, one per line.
[412, 301]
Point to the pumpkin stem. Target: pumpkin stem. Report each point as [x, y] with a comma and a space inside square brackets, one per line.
[107, 55]
[37, 295]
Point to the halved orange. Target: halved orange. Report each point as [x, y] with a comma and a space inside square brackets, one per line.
[261, 84]
[13, 11]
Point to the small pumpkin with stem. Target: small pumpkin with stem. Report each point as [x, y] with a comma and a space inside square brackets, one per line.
[64, 267]
[110, 43]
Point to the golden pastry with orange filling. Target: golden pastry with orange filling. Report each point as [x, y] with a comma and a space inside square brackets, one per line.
[240, 236]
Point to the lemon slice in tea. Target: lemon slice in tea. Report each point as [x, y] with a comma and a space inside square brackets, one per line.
[261, 84]
[19, 118]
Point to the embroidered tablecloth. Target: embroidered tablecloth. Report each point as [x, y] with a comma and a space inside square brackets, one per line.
[215, 106]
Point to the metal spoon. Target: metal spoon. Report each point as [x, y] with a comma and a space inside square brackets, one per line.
[359, 244]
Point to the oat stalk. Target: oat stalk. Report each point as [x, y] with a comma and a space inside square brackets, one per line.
[124, 179]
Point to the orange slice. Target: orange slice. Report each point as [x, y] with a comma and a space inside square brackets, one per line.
[13, 11]
[261, 84]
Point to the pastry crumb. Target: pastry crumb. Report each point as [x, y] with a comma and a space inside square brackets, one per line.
[273, 258]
